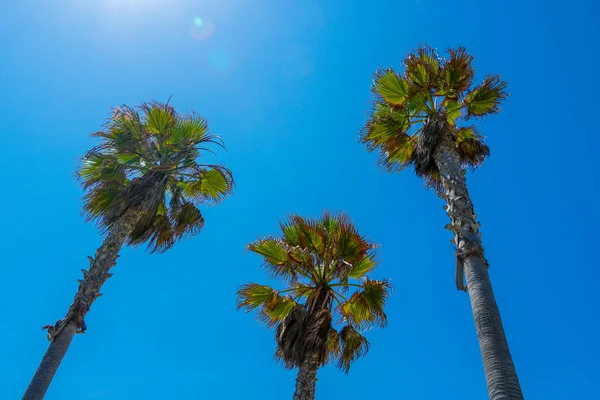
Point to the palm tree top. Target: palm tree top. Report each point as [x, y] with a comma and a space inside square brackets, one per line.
[327, 299]
[430, 88]
[148, 158]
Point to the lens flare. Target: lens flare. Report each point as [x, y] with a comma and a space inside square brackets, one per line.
[202, 28]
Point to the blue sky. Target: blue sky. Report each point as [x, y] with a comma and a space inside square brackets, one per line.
[286, 84]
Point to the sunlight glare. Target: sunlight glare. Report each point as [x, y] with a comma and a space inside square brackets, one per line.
[202, 28]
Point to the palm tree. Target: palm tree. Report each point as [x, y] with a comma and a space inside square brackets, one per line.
[327, 300]
[142, 185]
[415, 122]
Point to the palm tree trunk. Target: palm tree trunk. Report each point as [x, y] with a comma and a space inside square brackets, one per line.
[500, 373]
[306, 381]
[89, 289]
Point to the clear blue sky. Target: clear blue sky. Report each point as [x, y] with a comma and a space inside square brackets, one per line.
[286, 84]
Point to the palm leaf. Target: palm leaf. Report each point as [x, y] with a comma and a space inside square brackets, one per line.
[353, 346]
[188, 220]
[361, 267]
[457, 73]
[276, 310]
[453, 111]
[159, 119]
[271, 249]
[392, 89]
[471, 147]
[252, 295]
[365, 308]
[486, 98]
[192, 128]
[422, 68]
[213, 184]
[386, 131]
[278, 259]
[333, 344]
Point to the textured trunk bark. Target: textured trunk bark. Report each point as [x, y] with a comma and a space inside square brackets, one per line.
[89, 290]
[306, 381]
[500, 373]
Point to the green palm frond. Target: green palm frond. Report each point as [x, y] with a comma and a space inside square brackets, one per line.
[353, 346]
[252, 295]
[212, 184]
[361, 267]
[453, 111]
[351, 247]
[147, 158]
[99, 201]
[422, 68]
[274, 308]
[277, 258]
[365, 307]
[456, 74]
[193, 129]
[392, 89]
[486, 98]
[386, 131]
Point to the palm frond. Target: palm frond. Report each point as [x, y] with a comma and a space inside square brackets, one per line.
[361, 267]
[159, 119]
[485, 99]
[387, 131]
[276, 310]
[252, 295]
[192, 128]
[392, 89]
[333, 344]
[453, 111]
[210, 184]
[471, 147]
[351, 246]
[187, 220]
[422, 68]
[365, 307]
[456, 73]
[353, 346]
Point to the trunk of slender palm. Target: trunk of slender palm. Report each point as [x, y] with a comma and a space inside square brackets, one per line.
[500, 373]
[89, 290]
[306, 381]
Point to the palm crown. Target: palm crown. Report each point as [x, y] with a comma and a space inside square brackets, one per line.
[328, 298]
[147, 159]
[430, 89]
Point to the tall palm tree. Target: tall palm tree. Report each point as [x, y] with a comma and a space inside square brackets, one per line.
[327, 300]
[142, 185]
[420, 119]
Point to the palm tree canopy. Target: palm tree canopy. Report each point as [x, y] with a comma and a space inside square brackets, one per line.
[429, 88]
[328, 300]
[148, 157]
